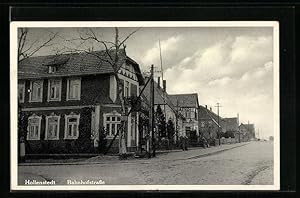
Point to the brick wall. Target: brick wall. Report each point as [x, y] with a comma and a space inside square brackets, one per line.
[52, 146]
[92, 87]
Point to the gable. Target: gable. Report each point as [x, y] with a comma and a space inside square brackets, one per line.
[185, 100]
[128, 71]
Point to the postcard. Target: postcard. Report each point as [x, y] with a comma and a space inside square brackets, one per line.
[108, 105]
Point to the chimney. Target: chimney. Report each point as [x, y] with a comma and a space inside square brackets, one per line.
[158, 82]
[164, 85]
[205, 106]
[210, 108]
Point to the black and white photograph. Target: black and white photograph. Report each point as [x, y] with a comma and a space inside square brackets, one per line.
[145, 105]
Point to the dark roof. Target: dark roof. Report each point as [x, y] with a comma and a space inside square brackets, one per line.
[231, 124]
[205, 113]
[160, 97]
[73, 64]
[185, 100]
[57, 61]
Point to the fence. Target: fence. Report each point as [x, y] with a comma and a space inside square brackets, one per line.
[229, 140]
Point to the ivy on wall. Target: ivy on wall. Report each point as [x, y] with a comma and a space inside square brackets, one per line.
[22, 126]
[84, 143]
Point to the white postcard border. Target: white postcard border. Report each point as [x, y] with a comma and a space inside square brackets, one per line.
[14, 108]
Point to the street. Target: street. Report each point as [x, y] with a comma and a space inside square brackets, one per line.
[248, 163]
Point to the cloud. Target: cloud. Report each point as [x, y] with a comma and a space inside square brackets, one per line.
[220, 82]
[168, 48]
[221, 60]
[237, 72]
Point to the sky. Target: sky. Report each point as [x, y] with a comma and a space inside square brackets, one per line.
[229, 65]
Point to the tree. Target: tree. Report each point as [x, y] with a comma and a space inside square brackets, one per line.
[170, 130]
[160, 122]
[112, 51]
[28, 48]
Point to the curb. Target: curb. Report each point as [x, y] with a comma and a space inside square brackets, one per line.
[129, 161]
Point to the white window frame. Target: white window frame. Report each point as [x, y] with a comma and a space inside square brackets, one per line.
[22, 86]
[31, 91]
[128, 94]
[68, 89]
[59, 90]
[67, 117]
[47, 129]
[130, 81]
[52, 69]
[39, 127]
[116, 122]
[192, 115]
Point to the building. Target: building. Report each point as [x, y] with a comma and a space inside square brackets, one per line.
[231, 126]
[247, 132]
[62, 93]
[210, 125]
[163, 101]
[187, 105]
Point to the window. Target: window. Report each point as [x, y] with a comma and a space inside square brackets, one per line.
[126, 89]
[192, 113]
[36, 91]
[34, 127]
[187, 113]
[52, 69]
[202, 124]
[21, 92]
[112, 123]
[73, 89]
[52, 127]
[71, 126]
[54, 90]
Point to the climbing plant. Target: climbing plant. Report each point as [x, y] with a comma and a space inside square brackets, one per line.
[84, 141]
[22, 125]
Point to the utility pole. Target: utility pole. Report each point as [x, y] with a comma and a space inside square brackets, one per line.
[164, 90]
[152, 109]
[161, 67]
[218, 106]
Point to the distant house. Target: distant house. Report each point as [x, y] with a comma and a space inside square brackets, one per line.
[231, 126]
[208, 124]
[54, 91]
[247, 132]
[187, 105]
[162, 99]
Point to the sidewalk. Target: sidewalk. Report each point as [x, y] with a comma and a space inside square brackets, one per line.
[163, 155]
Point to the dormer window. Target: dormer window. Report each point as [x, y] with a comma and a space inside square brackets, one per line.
[54, 62]
[52, 69]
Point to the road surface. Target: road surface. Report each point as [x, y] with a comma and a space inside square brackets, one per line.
[248, 164]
